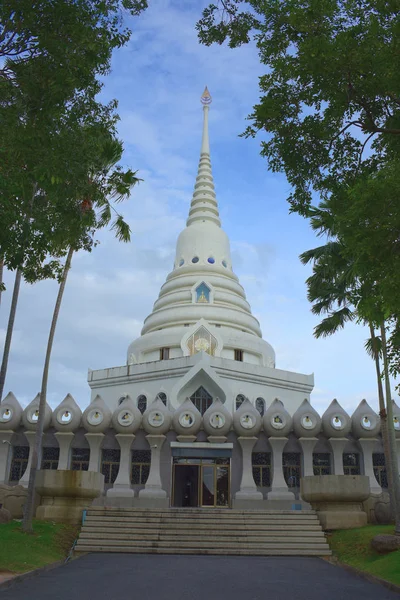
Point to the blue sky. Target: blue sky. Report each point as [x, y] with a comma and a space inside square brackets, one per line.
[158, 80]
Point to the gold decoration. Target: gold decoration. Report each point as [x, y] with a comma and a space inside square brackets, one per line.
[202, 297]
[206, 97]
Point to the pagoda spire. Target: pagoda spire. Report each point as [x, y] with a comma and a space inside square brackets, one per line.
[204, 206]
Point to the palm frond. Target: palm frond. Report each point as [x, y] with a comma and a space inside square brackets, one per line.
[334, 322]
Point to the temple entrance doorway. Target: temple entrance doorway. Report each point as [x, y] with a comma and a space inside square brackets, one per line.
[201, 482]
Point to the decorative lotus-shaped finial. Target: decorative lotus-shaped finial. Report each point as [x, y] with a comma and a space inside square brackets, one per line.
[67, 416]
[206, 97]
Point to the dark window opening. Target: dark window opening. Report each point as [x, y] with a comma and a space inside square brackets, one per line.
[238, 354]
[291, 462]
[19, 462]
[164, 353]
[142, 403]
[239, 400]
[201, 399]
[163, 398]
[261, 462]
[110, 464]
[378, 462]
[351, 464]
[80, 459]
[140, 466]
[50, 457]
[322, 463]
[260, 406]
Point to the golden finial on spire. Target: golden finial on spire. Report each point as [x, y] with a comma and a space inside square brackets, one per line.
[206, 97]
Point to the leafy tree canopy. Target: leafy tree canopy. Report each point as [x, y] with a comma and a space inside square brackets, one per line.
[332, 82]
[330, 105]
[50, 122]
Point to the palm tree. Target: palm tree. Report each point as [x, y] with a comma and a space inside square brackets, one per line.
[335, 290]
[109, 184]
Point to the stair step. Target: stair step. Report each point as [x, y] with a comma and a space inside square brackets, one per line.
[200, 511]
[211, 543]
[213, 551]
[190, 527]
[209, 522]
[207, 540]
[190, 532]
[223, 516]
[203, 531]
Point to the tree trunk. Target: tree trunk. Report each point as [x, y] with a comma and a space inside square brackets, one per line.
[13, 309]
[391, 431]
[28, 509]
[384, 424]
[10, 328]
[1, 283]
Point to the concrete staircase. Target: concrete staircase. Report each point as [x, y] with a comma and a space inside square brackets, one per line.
[203, 531]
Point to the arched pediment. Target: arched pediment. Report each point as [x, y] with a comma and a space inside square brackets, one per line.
[202, 292]
[201, 338]
[200, 375]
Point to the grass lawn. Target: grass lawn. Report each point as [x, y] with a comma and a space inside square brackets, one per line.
[20, 552]
[352, 546]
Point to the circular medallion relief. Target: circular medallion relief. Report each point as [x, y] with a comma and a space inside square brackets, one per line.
[247, 421]
[307, 422]
[217, 420]
[5, 415]
[125, 418]
[186, 419]
[366, 422]
[33, 416]
[278, 422]
[156, 418]
[95, 417]
[64, 417]
[202, 344]
[337, 422]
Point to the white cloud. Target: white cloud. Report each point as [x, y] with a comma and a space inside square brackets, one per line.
[158, 79]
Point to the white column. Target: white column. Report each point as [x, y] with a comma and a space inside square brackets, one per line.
[153, 488]
[30, 436]
[279, 488]
[368, 446]
[94, 440]
[308, 445]
[248, 489]
[338, 445]
[64, 441]
[398, 451]
[5, 454]
[122, 485]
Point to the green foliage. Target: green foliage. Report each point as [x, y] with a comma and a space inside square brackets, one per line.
[352, 547]
[52, 128]
[20, 552]
[330, 105]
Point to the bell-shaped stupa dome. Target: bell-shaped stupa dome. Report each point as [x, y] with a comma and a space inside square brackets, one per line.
[336, 423]
[97, 417]
[217, 420]
[247, 420]
[30, 415]
[157, 418]
[306, 420]
[67, 416]
[202, 292]
[277, 421]
[365, 422]
[10, 413]
[187, 420]
[126, 417]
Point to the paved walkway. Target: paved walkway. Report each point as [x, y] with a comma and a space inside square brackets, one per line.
[154, 577]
